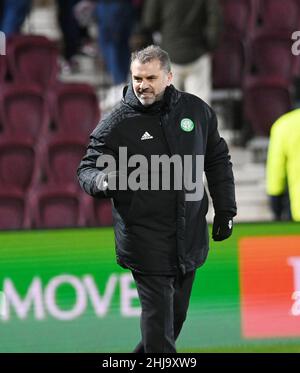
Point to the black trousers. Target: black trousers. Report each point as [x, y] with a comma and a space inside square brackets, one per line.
[164, 301]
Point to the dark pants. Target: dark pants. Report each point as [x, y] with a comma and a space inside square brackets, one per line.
[70, 27]
[115, 21]
[164, 301]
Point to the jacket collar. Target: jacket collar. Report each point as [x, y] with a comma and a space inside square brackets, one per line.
[170, 98]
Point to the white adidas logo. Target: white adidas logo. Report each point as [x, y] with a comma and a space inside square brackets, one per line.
[146, 136]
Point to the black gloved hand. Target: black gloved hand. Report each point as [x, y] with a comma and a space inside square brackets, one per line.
[222, 227]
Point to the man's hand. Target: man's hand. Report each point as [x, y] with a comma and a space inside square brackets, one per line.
[222, 227]
[108, 183]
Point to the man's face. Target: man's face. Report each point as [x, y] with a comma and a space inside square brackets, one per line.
[149, 81]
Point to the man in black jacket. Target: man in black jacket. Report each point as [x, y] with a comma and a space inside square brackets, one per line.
[160, 231]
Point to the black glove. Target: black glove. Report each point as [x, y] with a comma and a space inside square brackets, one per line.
[280, 206]
[222, 227]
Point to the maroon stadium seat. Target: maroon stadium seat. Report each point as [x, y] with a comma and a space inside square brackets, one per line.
[228, 62]
[103, 212]
[23, 110]
[62, 159]
[265, 100]
[54, 206]
[75, 108]
[239, 15]
[17, 162]
[271, 54]
[3, 68]
[12, 208]
[33, 58]
[280, 14]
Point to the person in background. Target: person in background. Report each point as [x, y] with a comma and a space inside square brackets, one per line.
[161, 232]
[70, 33]
[190, 30]
[140, 37]
[115, 22]
[283, 167]
[13, 14]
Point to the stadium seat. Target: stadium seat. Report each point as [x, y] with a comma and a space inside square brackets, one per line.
[279, 14]
[3, 68]
[23, 110]
[75, 108]
[62, 159]
[33, 58]
[265, 100]
[12, 208]
[229, 62]
[271, 54]
[103, 212]
[54, 206]
[17, 162]
[239, 15]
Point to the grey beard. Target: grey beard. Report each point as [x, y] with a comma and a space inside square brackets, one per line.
[157, 98]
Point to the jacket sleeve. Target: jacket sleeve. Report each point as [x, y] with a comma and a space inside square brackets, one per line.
[218, 170]
[276, 160]
[100, 144]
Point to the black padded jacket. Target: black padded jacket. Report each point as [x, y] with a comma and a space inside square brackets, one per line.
[162, 231]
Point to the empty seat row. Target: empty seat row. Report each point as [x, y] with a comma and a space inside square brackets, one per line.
[44, 127]
[39, 187]
[23, 164]
[246, 16]
[31, 59]
[68, 107]
[267, 53]
[266, 86]
[51, 207]
[256, 40]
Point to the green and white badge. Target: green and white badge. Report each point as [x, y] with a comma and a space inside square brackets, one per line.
[187, 125]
